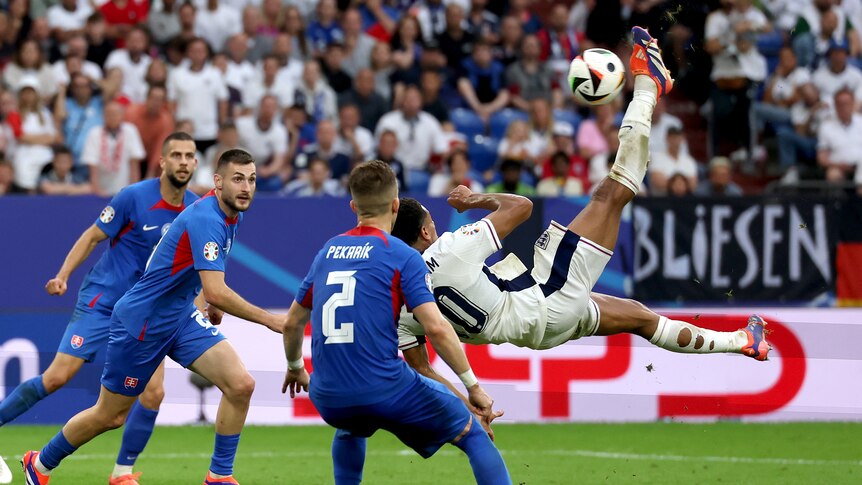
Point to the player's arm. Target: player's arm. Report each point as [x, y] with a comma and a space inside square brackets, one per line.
[78, 254]
[293, 334]
[509, 210]
[218, 294]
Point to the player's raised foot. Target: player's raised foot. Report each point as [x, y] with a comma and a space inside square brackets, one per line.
[213, 481]
[757, 347]
[5, 472]
[646, 60]
[127, 479]
[31, 474]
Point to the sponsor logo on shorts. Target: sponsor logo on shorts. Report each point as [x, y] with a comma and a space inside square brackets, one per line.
[107, 215]
[211, 251]
[77, 341]
[543, 240]
[131, 382]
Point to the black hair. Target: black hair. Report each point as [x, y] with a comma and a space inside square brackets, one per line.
[236, 156]
[178, 136]
[408, 224]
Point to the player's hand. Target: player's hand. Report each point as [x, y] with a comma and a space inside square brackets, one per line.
[485, 421]
[458, 198]
[213, 314]
[481, 401]
[296, 381]
[56, 286]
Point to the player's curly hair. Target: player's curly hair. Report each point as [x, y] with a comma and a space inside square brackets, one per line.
[408, 224]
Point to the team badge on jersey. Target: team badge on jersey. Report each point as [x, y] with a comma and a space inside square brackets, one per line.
[543, 240]
[131, 382]
[107, 215]
[470, 229]
[77, 341]
[211, 251]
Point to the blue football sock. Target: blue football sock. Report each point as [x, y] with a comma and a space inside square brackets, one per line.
[224, 454]
[488, 466]
[348, 458]
[56, 449]
[137, 432]
[22, 398]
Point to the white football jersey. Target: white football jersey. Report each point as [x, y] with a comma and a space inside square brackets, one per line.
[482, 307]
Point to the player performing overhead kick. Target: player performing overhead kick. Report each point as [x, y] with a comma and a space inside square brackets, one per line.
[353, 293]
[134, 221]
[553, 303]
[157, 317]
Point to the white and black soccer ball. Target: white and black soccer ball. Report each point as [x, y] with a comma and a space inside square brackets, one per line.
[596, 77]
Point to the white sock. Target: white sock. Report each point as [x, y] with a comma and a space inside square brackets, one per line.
[120, 470]
[630, 165]
[702, 341]
[40, 467]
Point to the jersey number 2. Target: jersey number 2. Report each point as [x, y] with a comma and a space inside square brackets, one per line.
[333, 333]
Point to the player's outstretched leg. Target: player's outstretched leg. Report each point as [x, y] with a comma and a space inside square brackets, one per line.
[348, 458]
[138, 429]
[599, 221]
[30, 392]
[221, 365]
[628, 316]
[488, 466]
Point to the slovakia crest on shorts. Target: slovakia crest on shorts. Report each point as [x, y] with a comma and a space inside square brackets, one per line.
[107, 215]
[77, 341]
[211, 251]
[131, 382]
[543, 240]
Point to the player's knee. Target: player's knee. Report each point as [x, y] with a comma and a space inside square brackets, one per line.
[242, 388]
[56, 377]
[152, 397]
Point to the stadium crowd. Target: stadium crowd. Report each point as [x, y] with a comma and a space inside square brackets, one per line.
[447, 92]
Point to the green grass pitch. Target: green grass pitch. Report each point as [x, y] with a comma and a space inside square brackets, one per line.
[661, 453]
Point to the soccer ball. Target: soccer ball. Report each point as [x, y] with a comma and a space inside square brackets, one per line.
[596, 77]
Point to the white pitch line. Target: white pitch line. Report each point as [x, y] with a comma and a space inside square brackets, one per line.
[581, 453]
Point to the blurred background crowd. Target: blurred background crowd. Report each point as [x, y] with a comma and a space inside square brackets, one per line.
[448, 92]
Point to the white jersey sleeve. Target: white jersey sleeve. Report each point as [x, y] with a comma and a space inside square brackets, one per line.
[470, 244]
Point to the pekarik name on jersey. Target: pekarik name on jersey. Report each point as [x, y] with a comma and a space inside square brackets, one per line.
[349, 252]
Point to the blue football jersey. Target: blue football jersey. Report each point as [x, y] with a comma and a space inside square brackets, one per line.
[199, 239]
[134, 221]
[355, 288]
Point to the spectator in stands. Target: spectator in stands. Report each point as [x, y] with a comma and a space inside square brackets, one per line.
[387, 148]
[121, 16]
[77, 110]
[559, 43]
[431, 15]
[510, 182]
[518, 144]
[265, 138]
[299, 125]
[601, 162]
[719, 182]
[325, 149]
[353, 140]
[154, 122]
[324, 29]
[35, 133]
[594, 134]
[228, 138]
[240, 72]
[114, 152]
[419, 134]
[318, 97]
[678, 185]
[560, 182]
[318, 183]
[407, 50]
[520, 9]
[8, 106]
[458, 173]
[482, 82]
[134, 62]
[332, 67]
[290, 69]
[29, 64]
[164, 24]
[62, 177]
[7, 179]
[274, 18]
[382, 67]
[838, 147]
[809, 30]
[672, 161]
[481, 23]
[268, 84]
[7, 46]
[563, 141]
[76, 61]
[99, 45]
[215, 23]
[357, 44]
[294, 26]
[187, 16]
[67, 18]
[736, 65]
[837, 74]
[529, 78]
[197, 92]
[371, 104]
[662, 121]
[430, 84]
[511, 34]
[258, 43]
[782, 91]
[455, 41]
[799, 142]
